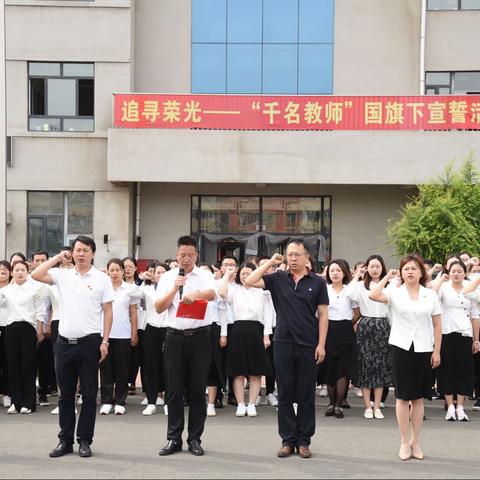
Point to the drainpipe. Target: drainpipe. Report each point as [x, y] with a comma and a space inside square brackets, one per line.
[422, 47]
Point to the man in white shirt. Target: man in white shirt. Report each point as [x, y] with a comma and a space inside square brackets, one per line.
[187, 346]
[86, 297]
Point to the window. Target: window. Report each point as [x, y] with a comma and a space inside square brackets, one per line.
[262, 46]
[61, 97]
[453, 4]
[55, 218]
[446, 83]
[244, 216]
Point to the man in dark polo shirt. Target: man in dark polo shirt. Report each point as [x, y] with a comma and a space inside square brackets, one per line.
[301, 301]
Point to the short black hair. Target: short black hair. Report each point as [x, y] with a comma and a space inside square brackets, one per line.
[229, 257]
[18, 254]
[86, 241]
[297, 241]
[187, 241]
[115, 261]
[40, 252]
[252, 266]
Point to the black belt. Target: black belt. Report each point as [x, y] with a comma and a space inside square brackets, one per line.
[188, 333]
[78, 341]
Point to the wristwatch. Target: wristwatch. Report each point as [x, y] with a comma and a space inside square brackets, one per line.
[105, 343]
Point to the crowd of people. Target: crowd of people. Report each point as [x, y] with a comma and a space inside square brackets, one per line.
[415, 329]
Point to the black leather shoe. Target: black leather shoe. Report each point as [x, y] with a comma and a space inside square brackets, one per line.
[84, 450]
[195, 448]
[169, 448]
[60, 450]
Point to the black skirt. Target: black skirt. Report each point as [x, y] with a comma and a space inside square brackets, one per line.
[412, 373]
[245, 351]
[455, 375]
[340, 352]
[216, 374]
[373, 353]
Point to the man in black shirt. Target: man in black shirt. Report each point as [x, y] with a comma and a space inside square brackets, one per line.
[301, 301]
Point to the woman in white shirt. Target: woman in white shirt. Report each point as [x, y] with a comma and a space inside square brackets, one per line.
[25, 301]
[114, 369]
[153, 338]
[412, 309]
[373, 352]
[339, 366]
[460, 329]
[5, 277]
[246, 354]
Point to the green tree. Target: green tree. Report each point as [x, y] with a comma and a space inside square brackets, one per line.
[443, 217]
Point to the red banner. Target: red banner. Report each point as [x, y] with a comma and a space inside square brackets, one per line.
[258, 112]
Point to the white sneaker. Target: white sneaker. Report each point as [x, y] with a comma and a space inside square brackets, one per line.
[160, 402]
[461, 415]
[79, 401]
[149, 410]
[119, 410]
[382, 405]
[106, 409]
[450, 415]
[368, 413]
[241, 410]
[211, 410]
[322, 392]
[377, 413]
[25, 411]
[251, 410]
[257, 401]
[7, 401]
[165, 410]
[12, 410]
[359, 393]
[272, 400]
[144, 402]
[55, 411]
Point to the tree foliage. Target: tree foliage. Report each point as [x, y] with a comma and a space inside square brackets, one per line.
[443, 217]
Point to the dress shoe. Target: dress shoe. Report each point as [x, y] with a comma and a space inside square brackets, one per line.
[195, 448]
[338, 412]
[84, 450]
[330, 412]
[219, 402]
[304, 451]
[405, 452]
[417, 452]
[285, 451]
[60, 450]
[170, 448]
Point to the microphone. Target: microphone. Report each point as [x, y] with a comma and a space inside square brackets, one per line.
[181, 273]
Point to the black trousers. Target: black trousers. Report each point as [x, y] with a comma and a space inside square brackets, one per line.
[476, 363]
[270, 379]
[46, 367]
[21, 350]
[4, 390]
[187, 360]
[296, 380]
[153, 341]
[136, 361]
[54, 334]
[73, 362]
[114, 372]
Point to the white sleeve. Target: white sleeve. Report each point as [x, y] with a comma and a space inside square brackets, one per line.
[268, 313]
[474, 296]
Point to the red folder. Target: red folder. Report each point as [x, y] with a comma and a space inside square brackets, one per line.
[195, 310]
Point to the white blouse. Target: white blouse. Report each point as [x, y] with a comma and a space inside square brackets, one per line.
[368, 308]
[341, 305]
[55, 301]
[4, 315]
[121, 325]
[412, 319]
[252, 304]
[148, 294]
[457, 311]
[25, 303]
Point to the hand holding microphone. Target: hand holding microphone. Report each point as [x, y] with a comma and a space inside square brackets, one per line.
[180, 281]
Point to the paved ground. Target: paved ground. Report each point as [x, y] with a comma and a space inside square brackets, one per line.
[127, 447]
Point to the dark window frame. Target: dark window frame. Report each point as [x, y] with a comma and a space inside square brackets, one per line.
[458, 9]
[451, 85]
[61, 118]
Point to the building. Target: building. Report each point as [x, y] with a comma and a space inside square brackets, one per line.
[136, 190]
